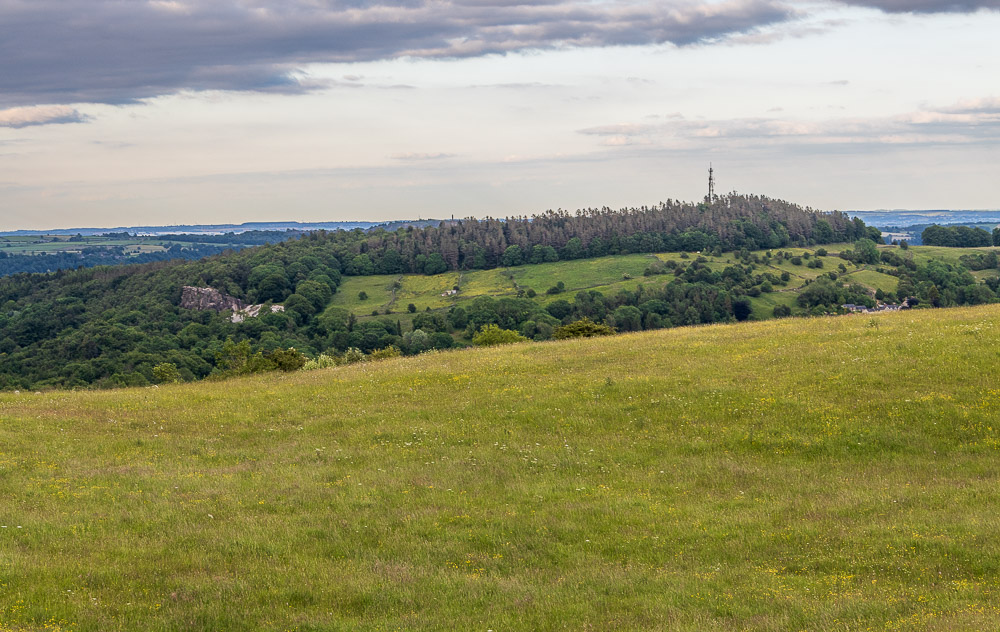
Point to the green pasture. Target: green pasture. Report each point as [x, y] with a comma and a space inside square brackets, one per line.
[379, 289]
[426, 291]
[873, 280]
[796, 474]
[923, 254]
[581, 273]
[485, 283]
[763, 305]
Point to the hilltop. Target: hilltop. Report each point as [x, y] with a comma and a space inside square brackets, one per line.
[822, 474]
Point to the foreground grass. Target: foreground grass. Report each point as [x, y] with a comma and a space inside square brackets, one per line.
[823, 474]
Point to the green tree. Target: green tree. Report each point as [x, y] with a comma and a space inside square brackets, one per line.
[628, 318]
[435, 264]
[360, 265]
[865, 251]
[512, 256]
[317, 293]
[741, 308]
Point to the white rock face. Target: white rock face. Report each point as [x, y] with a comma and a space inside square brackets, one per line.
[206, 298]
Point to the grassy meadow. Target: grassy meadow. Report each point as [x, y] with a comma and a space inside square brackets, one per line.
[836, 473]
[608, 275]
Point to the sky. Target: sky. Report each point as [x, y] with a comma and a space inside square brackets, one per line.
[157, 112]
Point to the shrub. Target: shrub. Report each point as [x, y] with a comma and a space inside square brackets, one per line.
[322, 361]
[583, 328]
[491, 335]
[286, 359]
[558, 288]
[352, 356]
[166, 373]
[384, 354]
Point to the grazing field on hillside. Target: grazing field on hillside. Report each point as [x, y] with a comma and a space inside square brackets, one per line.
[608, 275]
[613, 274]
[821, 474]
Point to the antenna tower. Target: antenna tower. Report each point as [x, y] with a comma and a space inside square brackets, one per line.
[711, 184]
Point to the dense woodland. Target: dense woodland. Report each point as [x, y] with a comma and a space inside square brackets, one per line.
[109, 326]
[731, 223]
[959, 236]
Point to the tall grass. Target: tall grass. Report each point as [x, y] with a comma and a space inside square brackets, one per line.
[824, 474]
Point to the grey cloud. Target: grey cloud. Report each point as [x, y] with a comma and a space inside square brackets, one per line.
[926, 6]
[107, 51]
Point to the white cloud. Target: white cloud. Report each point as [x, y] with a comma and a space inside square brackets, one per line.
[969, 121]
[39, 115]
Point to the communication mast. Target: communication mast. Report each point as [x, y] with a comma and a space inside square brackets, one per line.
[711, 184]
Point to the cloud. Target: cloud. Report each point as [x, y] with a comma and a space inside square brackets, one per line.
[926, 6]
[108, 51]
[966, 122]
[413, 157]
[39, 115]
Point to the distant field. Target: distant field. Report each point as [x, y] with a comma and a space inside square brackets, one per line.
[801, 474]
[425, 291]
[48, 244]
[923, 254]
[378, 288]
[763, 305]
[874, 280]
[608, 275]
[581, 273]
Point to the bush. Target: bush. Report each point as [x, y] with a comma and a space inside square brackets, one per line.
[322, 361]
[353, 355]
[286, 359]
[166, 373]
[584, 328]
[491, 335]
[384, 354]
[362, 295]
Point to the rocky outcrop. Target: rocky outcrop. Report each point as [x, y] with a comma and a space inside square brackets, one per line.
[206, 298]
[254, 310]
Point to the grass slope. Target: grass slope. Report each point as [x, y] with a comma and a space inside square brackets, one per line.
[823, 474]
[608, 275]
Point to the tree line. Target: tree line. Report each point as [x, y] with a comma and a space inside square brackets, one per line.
[959, 236]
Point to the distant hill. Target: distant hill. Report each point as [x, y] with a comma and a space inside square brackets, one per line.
[218, 229]
[906, 218]
[363, 291]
